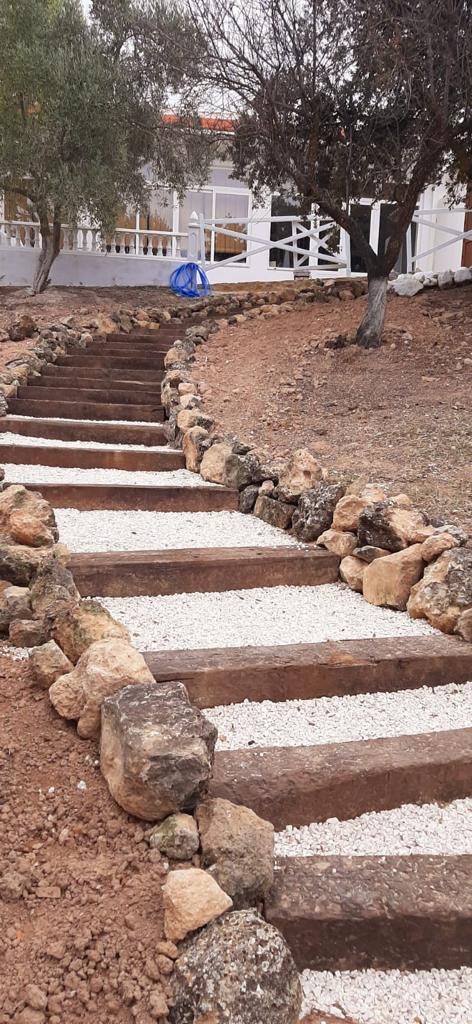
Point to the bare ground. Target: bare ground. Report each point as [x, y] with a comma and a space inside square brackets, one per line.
[80, 908]
[401, 414]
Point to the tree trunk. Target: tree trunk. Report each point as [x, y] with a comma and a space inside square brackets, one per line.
[50, 248]
[369, 334]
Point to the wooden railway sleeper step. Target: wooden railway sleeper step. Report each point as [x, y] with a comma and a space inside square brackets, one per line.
[352, 913]
[79, 430]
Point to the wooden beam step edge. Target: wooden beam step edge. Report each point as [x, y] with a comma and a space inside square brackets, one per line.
[77, 430]
[178, 498]
[230, 675]
[350, 913]
[300, 785]
[203, 570]
[92, 458]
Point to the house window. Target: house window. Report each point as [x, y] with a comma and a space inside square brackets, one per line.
[230, 205]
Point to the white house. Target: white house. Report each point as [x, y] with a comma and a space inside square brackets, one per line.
[222, 227]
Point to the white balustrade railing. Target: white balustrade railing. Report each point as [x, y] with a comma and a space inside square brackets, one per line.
[23, 234]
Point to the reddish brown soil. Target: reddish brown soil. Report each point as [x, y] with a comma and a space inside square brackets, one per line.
[401, 414]
[80, 890]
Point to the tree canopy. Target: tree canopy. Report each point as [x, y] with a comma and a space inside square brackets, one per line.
[82, 104]
[335, 100]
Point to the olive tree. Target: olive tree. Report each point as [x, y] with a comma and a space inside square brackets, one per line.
[335, 100]
[82, 102]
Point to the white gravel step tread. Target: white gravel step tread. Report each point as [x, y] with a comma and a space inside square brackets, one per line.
[159, 531]
[71, 475]
[426, 829]
[391, 997]
[261, 617]
[65, 419]
[22, 441]
[365, 716]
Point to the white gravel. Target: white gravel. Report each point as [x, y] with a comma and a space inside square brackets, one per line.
[22, 440]
[364, 716]
[64, 419]
[144, 531]
[17, 653]
[71, 475]
[391, 997]
[260, 617]
[427, 829]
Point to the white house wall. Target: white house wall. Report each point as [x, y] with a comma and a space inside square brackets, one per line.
[450, 257]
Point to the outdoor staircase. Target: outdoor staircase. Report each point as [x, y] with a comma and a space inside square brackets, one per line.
[336, 912]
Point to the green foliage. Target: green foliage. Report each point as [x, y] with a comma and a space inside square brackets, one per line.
[81, 107]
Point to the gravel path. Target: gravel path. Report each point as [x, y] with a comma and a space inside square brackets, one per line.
[365, 716]
[259, 617]
[71, 475]
[143, 531]
[428, 828]
[391, 997]
[22, 440]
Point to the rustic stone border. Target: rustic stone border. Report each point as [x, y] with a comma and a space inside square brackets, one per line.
[391, 552]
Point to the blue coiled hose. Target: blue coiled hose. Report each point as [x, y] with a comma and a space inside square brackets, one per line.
[190, 281]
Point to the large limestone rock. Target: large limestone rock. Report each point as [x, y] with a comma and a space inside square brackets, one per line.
[347, 511]
[193, 447]
[351, 571]
[387, 582]
[192, 899]
[14, 604]
[19, 564]
[105, 667]
[27, 633]
[242, 470]
[464, 625]
[177, 837]
[406, 285]
[445, 591]
[238, 970]
[337, 541]
[314, 513]
[76, 627]
[26, 518]
[53, 589]
[238, 848]
[156, 750]
[212, 467]
[47, 663]
[387, 525]
[299, 475]
[276, 513]
[439, 541]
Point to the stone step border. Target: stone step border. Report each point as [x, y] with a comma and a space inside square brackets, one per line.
[301, 785]
[305, 671]
[200, 570]
[432, 582]
[177, 498]
[350, 913]
[80, 430]
[91, 458]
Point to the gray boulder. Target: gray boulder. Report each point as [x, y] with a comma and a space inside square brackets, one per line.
[315, 511]
[238, 969]
[156, 750]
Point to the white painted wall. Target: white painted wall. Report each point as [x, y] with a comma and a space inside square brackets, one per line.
[86, 269]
